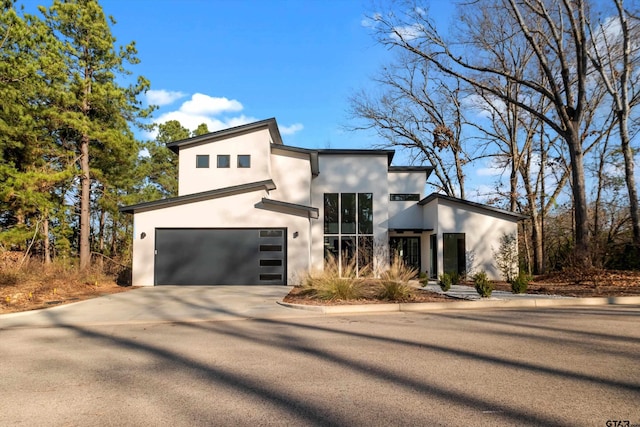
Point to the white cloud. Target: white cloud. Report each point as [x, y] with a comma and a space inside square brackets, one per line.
[407, 32]
[163, 97]
[290, 130]
[201, 108]
[483, 107]
[205, 104]
[492, 169]
[192, 121]
[371, 22]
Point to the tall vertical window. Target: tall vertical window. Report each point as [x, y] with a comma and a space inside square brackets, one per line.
[348, 229]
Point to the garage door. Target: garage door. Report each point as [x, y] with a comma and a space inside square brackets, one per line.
[206, 256]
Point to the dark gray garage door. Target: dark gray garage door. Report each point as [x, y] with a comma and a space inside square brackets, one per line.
[208, 256]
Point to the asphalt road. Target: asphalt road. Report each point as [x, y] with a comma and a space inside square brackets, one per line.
[562, 366]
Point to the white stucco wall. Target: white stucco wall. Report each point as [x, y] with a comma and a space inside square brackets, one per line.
[194, 180]
[228, 212]
[407, 214]
[291, 172]
[482, 228]
[351, 174]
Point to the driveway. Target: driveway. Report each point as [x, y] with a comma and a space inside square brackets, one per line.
[163, 304]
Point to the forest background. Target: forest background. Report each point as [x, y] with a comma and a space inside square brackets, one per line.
[545, 89]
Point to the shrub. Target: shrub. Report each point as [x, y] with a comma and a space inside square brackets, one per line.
[520, 283]
[394, 281]
[445, 281]
[339, 288]
[507, 256]
[423, 278]
[483, 285]
[456, 278]
[9, 278]
[329, 285]
[393, 290]
[399, 271]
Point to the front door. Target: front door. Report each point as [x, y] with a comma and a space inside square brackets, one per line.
[407, 248]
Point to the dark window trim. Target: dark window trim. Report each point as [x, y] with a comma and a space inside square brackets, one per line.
[200, 161]
[404, 197]
[248, 156]
[224, 156]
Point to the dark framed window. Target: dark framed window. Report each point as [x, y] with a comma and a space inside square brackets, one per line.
[244, 161]
[365, 213]
[348, 213]
[331, 213]
[202, 161]
[348, 229]
[224, 161]
[404, 197]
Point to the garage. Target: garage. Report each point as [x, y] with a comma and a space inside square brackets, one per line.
[220, 256]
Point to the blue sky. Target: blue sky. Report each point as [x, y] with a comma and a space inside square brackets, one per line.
[230, 62]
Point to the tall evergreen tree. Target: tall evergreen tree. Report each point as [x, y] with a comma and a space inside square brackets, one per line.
[160, 168]
[93, 110]
[32, 165]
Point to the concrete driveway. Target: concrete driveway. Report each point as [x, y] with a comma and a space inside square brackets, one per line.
[163, 304]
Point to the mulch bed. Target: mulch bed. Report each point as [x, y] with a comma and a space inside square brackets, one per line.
[571, 283]
[296, 297]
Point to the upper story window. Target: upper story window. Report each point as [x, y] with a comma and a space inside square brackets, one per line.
[244, 161]
[224, 161]
[202, 161]
[404, 197]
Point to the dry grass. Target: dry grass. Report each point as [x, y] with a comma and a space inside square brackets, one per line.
[353, 285]
[34, 285]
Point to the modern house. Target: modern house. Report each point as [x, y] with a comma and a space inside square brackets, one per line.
[251, 211]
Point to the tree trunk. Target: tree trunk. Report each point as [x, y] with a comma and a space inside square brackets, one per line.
[45, 239]
[580, 214]
[103, 216]
[85, 191]
[630, 179]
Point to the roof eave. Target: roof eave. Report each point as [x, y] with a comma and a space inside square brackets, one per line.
[431, 197]
[270, 124]
[266, 185]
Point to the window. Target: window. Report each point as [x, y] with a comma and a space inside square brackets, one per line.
[202, 161]
[404, 197]
[244, 161]
[224, 161]
[454, 256]
[348, 228]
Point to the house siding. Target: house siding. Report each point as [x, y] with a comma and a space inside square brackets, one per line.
[406, 214]
[291, 173]
[482, 229]
[195, 180]
[351, 174]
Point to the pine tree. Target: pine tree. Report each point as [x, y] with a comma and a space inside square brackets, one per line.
[93, 110]
[32, 165]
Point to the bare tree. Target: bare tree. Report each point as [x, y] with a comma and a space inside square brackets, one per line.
[557, 34]
[616, 57]
[420, 111]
